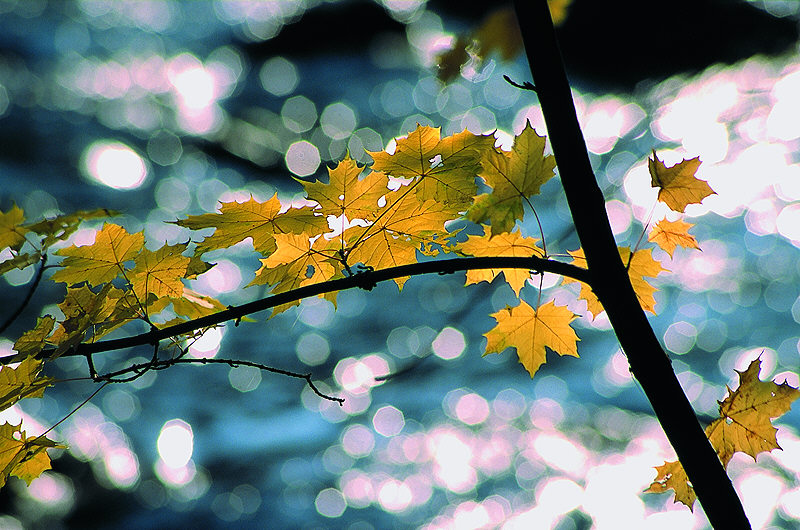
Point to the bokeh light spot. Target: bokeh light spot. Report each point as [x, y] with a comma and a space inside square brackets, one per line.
[338, 121]
[114, 164]
[388, 421]
[278, 76]
[175, 443]
[330, 503]
[302, 158]
[449, 343]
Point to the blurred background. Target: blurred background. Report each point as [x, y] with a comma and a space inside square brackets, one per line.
[162, 109]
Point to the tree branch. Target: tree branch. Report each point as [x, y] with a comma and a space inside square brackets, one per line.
[648, 361]
[364, 280]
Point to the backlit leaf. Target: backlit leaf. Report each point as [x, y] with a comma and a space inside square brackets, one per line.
[12, 233]
[672, 476]
[347, 194]
[513, 177]
[510, 244]
[640, 267]
[257, 220]
[159, 272]
[101, 261]
[21, 456]
[31, 342]
[678, 186]
[531, 331]
[23, 381]
[745, 422]
[670, 234]
[442, 169]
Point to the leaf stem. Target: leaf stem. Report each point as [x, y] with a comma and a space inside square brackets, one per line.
[24, 304]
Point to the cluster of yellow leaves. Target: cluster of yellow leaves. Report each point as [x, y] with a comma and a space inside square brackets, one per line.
[22, 456]
[744, 425]
[678, 187]
[392, 213]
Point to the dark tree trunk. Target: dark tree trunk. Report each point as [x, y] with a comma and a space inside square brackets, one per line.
[648, 361]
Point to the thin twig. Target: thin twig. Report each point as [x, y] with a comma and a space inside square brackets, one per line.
[527, 85]
[24, 304]
[140, 369]
[73, 411]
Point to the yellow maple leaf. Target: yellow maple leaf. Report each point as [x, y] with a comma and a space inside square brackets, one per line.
[295, 263]
[195, 305]
[101, 261]
[21, 456]
[513, 177]
[442, 169]
[641, 266]
[531, 331]
[20, 261]
[61, 227]
[83, 309]
[510, 244]
[672, 476]
[745, 422]
[392, 238]
[670, 234]
[347, 194]
[159, 272]
[744, 425]
[23, 381]
[12, 233]
[31, 342]
[678, 187]
[257, 220]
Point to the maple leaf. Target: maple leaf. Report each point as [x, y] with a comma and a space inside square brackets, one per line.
[20, 261]
[23, 381]
[31, 342]
[12, 233]
[257, 220]
[82, 310]
[745, 415]
[347, 194]
[21, 456]
[510, 244]
[195, 305]
[295, 263]
[159, 272]
[678, 185]
[670, 234]
[101, 261]
[672, 476]
[442, 169]
[513, 176]
[531, 330]
[392, 238]
[641, 266]
[61, 227]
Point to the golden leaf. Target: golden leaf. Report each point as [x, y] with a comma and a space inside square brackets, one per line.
[510, 244]
[101, 261]
[670, 234]
[531, 331]
[745, 422]
[513, 176]
[678, 185]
